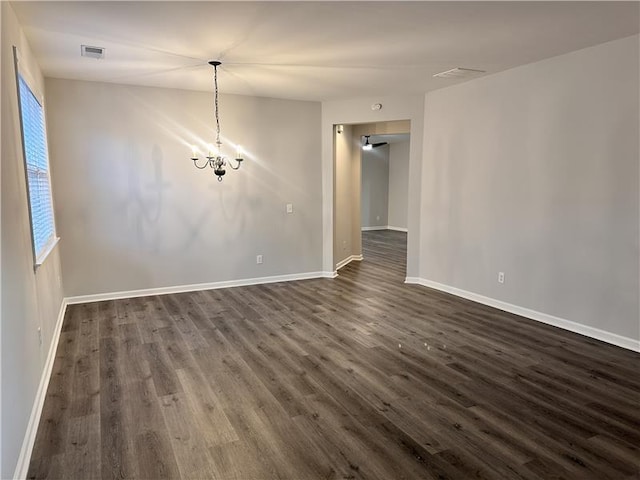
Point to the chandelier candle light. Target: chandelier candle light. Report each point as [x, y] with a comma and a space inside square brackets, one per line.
[215, 158]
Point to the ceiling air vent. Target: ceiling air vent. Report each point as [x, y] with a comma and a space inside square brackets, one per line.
[459, 73]
[92, 52]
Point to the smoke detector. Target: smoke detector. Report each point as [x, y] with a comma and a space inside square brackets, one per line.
[92, 52]
[459, 72]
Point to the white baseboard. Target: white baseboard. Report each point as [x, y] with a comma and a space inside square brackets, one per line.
[348, 260]
[397, 229]
[195, 287]
[592, 332]
[22, 468]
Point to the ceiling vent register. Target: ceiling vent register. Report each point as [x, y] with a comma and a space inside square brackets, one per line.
[91, 52]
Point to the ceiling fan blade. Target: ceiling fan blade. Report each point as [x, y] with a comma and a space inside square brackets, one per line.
[379, 144]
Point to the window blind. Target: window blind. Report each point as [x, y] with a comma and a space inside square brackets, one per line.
[37, 170]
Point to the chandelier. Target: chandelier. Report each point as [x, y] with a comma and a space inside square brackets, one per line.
[215, 159]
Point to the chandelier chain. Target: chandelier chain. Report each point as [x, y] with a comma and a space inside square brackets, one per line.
[215, 84]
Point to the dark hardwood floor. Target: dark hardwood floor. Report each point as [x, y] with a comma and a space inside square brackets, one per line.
[359, 377]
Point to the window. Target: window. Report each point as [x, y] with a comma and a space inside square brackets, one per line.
[36, 160]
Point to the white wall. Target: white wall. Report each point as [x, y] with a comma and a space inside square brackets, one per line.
[375, 187]
[29, 300]
[136, 214]
[357, 111]
[398, 184]
[534, 172]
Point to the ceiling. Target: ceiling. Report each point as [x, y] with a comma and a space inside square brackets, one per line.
[310, 50]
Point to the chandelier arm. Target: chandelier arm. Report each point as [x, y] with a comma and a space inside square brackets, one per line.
[239, 160]
[195, 163]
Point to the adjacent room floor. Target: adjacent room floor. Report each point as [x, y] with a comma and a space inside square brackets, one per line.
[357, 377]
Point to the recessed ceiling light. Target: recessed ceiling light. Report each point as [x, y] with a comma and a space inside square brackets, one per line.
[459, 72]
[92, 52]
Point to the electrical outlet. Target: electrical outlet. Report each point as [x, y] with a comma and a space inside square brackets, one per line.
[40, 335]
[259, 259]
[500, 277]
[289, 207]
[378, 217]
[344, 245]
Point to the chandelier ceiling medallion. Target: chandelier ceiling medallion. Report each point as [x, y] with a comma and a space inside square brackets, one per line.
[215, 159]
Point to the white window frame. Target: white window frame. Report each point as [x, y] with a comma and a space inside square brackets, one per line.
[39, 256]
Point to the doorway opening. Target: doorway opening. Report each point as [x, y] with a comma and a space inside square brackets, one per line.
[370, 190]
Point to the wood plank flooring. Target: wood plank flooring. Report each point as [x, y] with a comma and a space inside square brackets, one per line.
[358, 377]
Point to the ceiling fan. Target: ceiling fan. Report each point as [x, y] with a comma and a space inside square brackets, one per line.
[370, 146]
